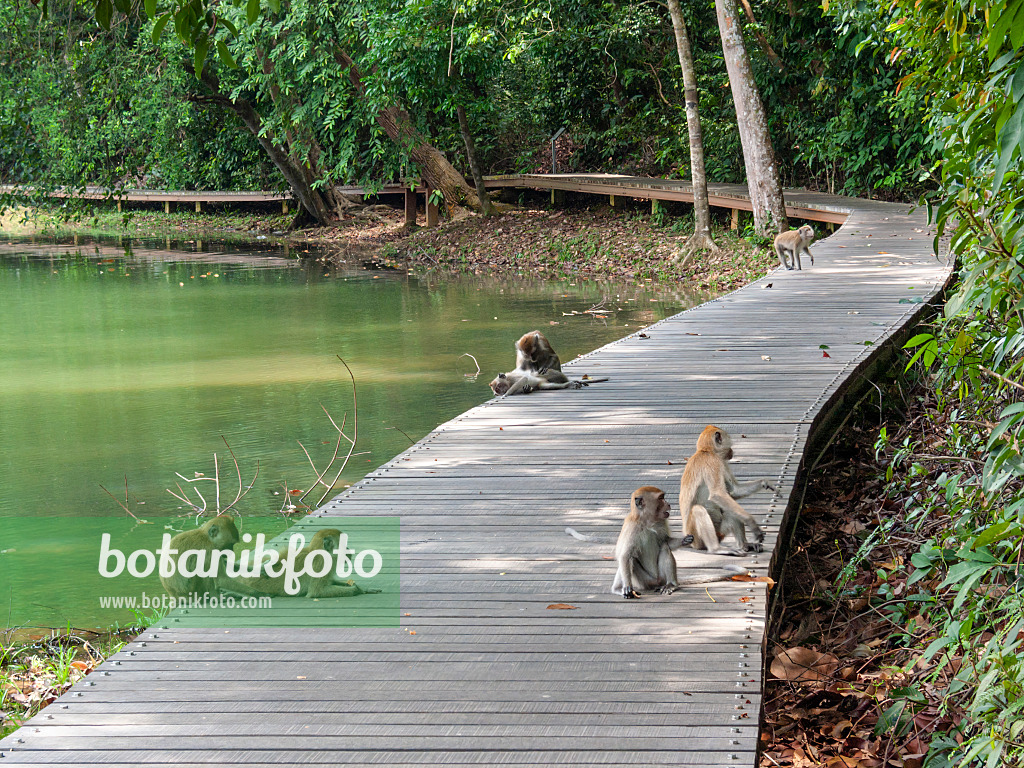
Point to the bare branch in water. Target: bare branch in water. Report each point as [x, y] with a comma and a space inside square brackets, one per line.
[122, 505]
[328, 486]
[471, 375]
[411, 441]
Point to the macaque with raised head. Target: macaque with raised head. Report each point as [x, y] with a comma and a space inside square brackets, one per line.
[708, 493]
[644, 548]
[537, 367]
[791, 242]
[326, 540]
[216, 534]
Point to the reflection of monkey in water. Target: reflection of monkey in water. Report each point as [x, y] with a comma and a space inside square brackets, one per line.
[707, 497]
[644, 548]
[537, 367]
[216, 534]
[314, 557]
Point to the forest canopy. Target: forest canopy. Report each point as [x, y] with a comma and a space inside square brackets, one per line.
[124, 106]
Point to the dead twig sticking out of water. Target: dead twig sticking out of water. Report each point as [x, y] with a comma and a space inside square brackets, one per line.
[199, 509]
[124, 505]
[411, 441]
[337, 448]
[470, 376]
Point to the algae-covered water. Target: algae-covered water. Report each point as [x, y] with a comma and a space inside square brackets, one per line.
[121, 361]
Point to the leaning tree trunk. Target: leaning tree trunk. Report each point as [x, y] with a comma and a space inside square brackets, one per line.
[474, 166]
[309, 164]
[310, 199]
[762, 173]
[438, 173]
[701, 239]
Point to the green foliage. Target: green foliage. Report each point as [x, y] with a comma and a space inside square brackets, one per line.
[80, 105]
[968, 575]
[839, 110]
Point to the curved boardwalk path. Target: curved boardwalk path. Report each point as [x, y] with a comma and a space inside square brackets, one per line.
[491, 675]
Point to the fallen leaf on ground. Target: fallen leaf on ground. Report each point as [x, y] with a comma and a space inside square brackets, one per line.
[803, 665]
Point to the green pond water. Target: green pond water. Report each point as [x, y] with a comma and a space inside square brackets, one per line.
[125, 361]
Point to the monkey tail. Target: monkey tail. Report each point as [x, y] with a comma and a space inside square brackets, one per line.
[731, 570]
[588, 537]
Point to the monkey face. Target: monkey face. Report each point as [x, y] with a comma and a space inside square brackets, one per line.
[222, 532]
[651, 501]
[500, 384]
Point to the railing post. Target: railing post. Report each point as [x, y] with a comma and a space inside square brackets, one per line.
[554, 157]
[410, 207]
[433, 215]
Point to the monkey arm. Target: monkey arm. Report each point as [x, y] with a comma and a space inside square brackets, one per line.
[678, 542]
[741, 491]
[725, 502]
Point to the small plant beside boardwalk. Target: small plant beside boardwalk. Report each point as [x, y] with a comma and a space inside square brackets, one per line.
[37, 668]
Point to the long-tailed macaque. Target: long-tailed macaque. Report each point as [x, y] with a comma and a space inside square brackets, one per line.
[643, 550]
[524, 382]
[326, 540]
[791, 242]
[535, 353]
[537, 367]
[708, 493]
[218, 533]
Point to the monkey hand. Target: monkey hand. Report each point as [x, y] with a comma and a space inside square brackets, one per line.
[668, 589]
[630, 594]
[766, 485]
[756, 547]
[577, 384]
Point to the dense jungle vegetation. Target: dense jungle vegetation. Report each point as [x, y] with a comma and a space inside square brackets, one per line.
[894, 99]
[84, 104]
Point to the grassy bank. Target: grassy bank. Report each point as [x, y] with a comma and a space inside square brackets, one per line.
[37, 668]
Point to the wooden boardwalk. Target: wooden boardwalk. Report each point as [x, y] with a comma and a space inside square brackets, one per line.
[492, 676]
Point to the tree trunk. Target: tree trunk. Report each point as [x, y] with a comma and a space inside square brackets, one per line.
[310, 199]
[438, 173]
[310, 164]
[701, 239]
[474, 166]
[762, 173]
